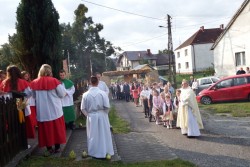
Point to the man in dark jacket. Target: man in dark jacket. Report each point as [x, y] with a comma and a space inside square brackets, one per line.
[126, 90]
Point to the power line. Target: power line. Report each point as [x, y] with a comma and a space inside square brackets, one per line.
[144, 40]
[149, 17]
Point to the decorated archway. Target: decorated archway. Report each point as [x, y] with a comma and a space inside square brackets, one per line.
[150, 75]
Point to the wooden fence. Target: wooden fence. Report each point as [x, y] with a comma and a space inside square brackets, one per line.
[12, 133]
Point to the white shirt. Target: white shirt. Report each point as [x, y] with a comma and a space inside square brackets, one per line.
[145, 93]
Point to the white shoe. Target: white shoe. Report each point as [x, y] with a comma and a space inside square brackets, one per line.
[170, 127]
[157, 123]
[167, 126]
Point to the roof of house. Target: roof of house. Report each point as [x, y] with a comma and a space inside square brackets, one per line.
[137, 55]
[202, 36]
[244, 4]
[142, 66]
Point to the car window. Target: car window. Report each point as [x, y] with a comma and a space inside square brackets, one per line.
[248, 79]
[240, 81]
[215, 79]
[225, 84]
[206, 81]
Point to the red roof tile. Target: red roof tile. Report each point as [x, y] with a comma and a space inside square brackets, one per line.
[202, 37]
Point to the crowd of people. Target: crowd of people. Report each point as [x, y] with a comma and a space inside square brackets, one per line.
[242, 71]
[163, 103]
[48, 104]
[50, 108]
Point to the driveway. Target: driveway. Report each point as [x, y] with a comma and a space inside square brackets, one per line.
[225, 141]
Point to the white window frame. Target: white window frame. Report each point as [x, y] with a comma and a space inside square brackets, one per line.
[179, 65]
[186, 52]
[240, 59]
[187, 65]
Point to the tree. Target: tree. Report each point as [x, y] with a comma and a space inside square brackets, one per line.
[39, 36]
[88, 43]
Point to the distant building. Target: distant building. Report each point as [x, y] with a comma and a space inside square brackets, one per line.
[232, 48]
[194, 54]
[130, 59]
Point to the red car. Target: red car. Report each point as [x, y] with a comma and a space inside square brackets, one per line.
[231, 88]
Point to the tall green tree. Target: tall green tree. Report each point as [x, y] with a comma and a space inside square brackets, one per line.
[38, 33]
[85, 35]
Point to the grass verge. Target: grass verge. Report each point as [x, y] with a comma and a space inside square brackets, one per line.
[118, 124]
[236, 109]
[62, 162]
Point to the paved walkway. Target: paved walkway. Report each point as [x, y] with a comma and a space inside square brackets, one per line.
[78, 143]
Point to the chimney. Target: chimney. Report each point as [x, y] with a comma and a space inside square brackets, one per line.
[222, 26]
[148, 52]
[202, 28]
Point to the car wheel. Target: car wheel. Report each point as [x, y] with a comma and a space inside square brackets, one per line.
[206, 100]
[249, 97]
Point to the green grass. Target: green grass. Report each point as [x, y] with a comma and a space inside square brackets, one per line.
[236, 109]
[62, 162]
[118, 124]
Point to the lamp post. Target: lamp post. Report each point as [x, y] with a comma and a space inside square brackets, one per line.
[171, 58]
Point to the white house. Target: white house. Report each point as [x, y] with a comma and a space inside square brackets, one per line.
[232, 48]
[194, 54]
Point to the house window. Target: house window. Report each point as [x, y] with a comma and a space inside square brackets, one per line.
[178, 54]
[240, 58]
[186, 52]
[187, 65]
[179, 65]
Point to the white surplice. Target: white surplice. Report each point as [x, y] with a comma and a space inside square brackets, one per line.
[51, 108]
[95, 105]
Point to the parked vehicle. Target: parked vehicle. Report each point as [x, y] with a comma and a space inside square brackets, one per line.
[206, 82]
[231, 88]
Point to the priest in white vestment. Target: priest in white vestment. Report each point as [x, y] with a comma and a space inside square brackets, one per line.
[190, 118]
[95, 105]
[101, 84]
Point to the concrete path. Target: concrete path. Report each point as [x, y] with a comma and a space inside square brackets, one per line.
[220, 145]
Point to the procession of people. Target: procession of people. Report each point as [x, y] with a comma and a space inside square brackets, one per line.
[50, 107]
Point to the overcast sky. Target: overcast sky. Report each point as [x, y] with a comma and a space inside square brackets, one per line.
[132, 32]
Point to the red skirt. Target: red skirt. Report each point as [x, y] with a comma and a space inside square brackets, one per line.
[30, 129]
[33, 115]
[51, 132]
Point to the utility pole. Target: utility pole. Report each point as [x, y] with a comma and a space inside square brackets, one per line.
[68, 62]
[171, 61]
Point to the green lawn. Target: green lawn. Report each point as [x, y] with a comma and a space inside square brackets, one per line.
[236, 109]
[63, 162]
[118, 124]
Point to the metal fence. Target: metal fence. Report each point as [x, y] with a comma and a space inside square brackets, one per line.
[12, 131]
